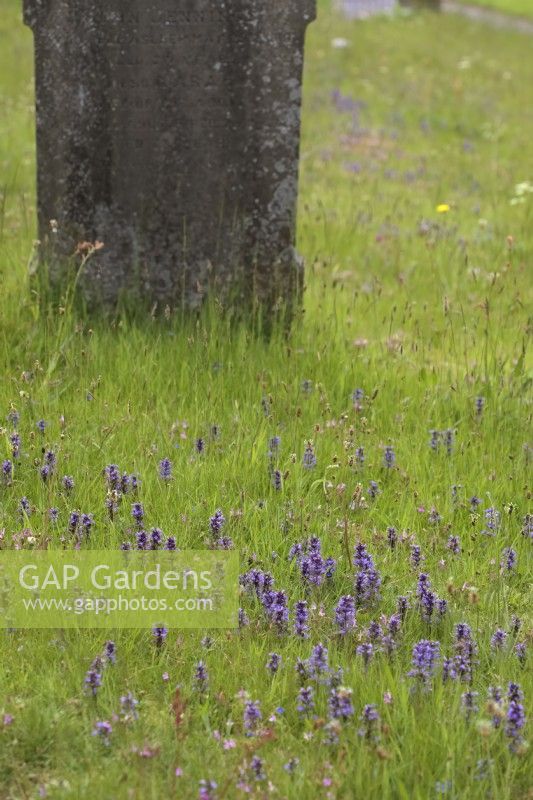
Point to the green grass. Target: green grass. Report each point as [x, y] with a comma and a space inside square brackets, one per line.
[523, 8]
[423, 310]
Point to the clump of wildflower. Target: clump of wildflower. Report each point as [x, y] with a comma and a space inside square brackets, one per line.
[86, 523]
[454, 545]
[516, 717]
[306, 702]
[357, 399]
[224, 543]
[137, 512]
[435, 438]
[273, 445]
[41, 426]
[340, 703]
[165, 469]
[7, 471]
[389, 457]
[360, 455]
[207, 790]
[67, 483]
[103, 731]
[244, 620]
[392, 537]
[428, 603]
[345, 614]
[277, 480]
[520, 650]
[318, 663]
[434, 517]
[465, 652]
[469, 703]
[53, 514]
[370, 722]
[509, 558]
[497, 640]
[251, 716]
[309, 457]
[257, 768]
[479, 404]
[449, 671]
[291, 765]
[495, 705]
[13, 417]
[217, 522]
[449, 439]
[425, 658]
[159, 633]
[128, 706]
[201, 677]
[402, 606]
[110, 652]
[366, 652]
[302, 670]
[416, 555]
[273, 663]
[93, 678]
[301, 619]
[332, 732]
[314, 568]
[492, 521]
[373, 490]
[257, 581]
[367, 580]
[374, 631]
[15, 442]
[276, 608]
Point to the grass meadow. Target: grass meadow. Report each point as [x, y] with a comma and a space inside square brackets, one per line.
[397, 416]
[523, 8]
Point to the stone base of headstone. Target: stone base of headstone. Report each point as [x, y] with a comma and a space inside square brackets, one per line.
[168, 130]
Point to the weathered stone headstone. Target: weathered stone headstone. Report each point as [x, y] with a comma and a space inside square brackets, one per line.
[169, 131]
[361, 9]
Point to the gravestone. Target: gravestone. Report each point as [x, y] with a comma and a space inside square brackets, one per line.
[362, 9]
[169, 131]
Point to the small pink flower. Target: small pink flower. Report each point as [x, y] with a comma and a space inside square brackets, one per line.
[229, 744]
[7, 720]
[326, 782]
[387, 698]
[165, 677]
[178, 772]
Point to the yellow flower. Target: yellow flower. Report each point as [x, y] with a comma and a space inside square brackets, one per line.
[443, 208]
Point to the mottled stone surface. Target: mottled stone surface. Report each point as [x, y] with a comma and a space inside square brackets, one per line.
[169, 131]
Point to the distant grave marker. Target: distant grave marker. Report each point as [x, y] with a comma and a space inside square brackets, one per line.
[361, 9]
[169, 131]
